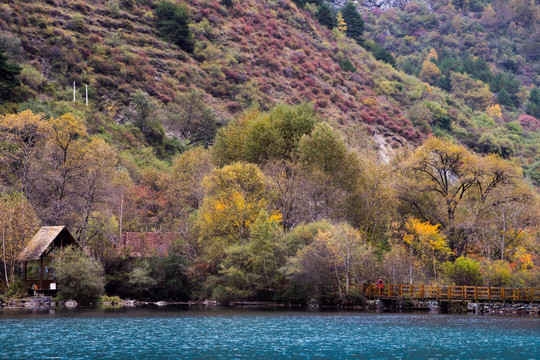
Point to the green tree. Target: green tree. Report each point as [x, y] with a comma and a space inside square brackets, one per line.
[172, 21]
[533, 106]
[353, 19]
[259, 137]
[346, 65]
[325, 15]
[8, 76]
[190, 118]
[170, 273]
[80, 278]
[251, 268]
[325, 150]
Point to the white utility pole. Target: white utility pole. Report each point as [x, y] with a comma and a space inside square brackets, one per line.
[74, 91]
[86, 94]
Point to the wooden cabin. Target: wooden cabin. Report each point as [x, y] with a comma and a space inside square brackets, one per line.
[38, 256]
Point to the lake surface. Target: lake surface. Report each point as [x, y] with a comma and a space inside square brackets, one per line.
[272, 334]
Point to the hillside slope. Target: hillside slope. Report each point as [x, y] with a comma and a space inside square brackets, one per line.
[255, 51]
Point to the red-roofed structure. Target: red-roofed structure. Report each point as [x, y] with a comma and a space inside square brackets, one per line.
[145, 244]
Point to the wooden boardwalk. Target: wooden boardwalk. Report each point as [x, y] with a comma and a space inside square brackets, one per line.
[453, 293]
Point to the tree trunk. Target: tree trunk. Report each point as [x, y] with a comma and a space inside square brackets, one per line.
[4, 254]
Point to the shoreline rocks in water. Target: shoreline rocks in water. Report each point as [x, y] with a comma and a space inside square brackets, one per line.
[504, 308]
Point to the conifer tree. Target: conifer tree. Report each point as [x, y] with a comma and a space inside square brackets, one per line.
[355, 24]
[326, 16]
[172, 21]
[533, 107]
[8, 73]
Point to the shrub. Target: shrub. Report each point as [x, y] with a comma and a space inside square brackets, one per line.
[79, 277]
[227, 3]
[497, 273]
[463, 271]
[172, 21]
[346, 65]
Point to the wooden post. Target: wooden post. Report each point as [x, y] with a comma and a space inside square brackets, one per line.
[25, 271]
[489, 293]
[502, 295]
[422, 292]
[449, 292]
[41, 273]
[389, 291]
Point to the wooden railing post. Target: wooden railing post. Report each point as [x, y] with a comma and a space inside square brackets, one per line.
[489, 293]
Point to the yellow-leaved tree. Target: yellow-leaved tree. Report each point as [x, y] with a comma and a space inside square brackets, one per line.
[426, 242]
[18, 223]
[341, 24]
[495, 112]
[236, 194]
[430, 72]
[22, 137]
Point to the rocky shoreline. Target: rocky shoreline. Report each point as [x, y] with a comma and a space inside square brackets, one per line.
[460, 307]
[456, 307]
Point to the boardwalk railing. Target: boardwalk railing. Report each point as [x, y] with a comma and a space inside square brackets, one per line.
[447, 292]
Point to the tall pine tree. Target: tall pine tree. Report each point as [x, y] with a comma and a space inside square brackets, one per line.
[533, 106]
[355, 24]
[172, 21]
[326, 17]
[8, 73]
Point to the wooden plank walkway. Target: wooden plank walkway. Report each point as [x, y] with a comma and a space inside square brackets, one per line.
[453, 293]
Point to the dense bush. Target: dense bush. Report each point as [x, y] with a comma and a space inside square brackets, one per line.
[80, 278]
[172, 21]
[463, 271]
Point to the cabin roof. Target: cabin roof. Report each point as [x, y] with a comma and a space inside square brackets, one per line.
[41, 241]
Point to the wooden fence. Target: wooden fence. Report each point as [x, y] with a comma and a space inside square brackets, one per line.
[449, 293]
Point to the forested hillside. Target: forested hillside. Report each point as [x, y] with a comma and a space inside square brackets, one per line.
[485, 52]
[289, 161]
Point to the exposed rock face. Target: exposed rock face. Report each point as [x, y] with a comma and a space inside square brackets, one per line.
[383, 4]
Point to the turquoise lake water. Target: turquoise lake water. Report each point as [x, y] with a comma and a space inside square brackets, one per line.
[248, 334]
